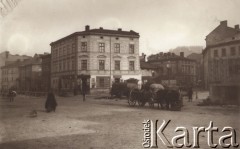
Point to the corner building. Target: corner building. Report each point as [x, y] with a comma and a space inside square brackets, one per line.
[222, 64]
[100, 55]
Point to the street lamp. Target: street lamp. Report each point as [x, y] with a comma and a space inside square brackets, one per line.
[168, 70]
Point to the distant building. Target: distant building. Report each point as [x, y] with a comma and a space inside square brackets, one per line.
[199, 68]
[100, 55]
[10, 76]
[222, 63]
[30, 74]
[6, 58]
[46, 71]
[174, 69]
[148, 70]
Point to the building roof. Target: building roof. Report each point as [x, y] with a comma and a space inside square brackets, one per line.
[221, 33]
[103, 32]
[46, 55]
[165, 57]
[12, 64]
[195, 56]
[146, 65]
[31, 61]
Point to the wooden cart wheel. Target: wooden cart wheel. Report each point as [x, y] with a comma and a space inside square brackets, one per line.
[131, 99]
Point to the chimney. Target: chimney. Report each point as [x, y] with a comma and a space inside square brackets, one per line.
[101, 28]
[236, 27]
[223, 23]
[87, 28]
[182, 54]
[119, 29]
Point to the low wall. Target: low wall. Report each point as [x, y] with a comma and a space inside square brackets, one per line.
[100, 91]
[225, 94]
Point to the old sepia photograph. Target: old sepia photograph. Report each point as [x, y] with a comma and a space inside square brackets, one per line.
[119, 74]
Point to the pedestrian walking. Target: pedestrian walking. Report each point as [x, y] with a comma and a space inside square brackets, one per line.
[84, 89]
[190, 93]
[51, 102]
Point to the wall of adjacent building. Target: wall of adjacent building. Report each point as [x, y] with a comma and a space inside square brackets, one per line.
[183, 71]
[222, 64]
[10, 78]
[7, 57]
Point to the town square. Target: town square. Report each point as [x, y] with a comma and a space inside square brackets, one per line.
[111, 74]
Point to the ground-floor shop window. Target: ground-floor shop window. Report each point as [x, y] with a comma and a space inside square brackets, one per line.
[103, 82]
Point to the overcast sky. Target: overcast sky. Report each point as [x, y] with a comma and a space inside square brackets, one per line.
[162, 24]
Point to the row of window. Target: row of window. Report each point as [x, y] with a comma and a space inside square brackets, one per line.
[70, 65]
[101, 65]
[233, 52]
[65, 50]
[64, 65]
[6, 79]
[8, 71]
[188, 69]
[101, 47]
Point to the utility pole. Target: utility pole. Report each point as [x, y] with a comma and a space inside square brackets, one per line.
[110, 80]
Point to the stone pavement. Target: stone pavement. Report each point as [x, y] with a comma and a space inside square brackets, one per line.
[99, 123]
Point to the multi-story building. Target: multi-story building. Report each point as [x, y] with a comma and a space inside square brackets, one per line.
[101, 55]
[174, 69]
[46, 71]
[6, 58]
[10, 76]
[148, 70]
[222, 63]
[30, 74]
[199, 68]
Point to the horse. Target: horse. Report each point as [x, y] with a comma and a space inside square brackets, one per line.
[169, 97]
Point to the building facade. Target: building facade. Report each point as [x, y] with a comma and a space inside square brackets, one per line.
[10, 76]
[30, 72]
[7, 58]
[46, 71]
[199, 68]
[148, 70]
[101, 55]
[174, 69]
[222, 63]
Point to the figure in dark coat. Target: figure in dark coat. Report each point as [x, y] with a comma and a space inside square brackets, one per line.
[84, 89]
[51, 103]
[190, 93]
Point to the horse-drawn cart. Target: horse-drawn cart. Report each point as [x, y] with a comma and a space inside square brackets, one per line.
[151, 93]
